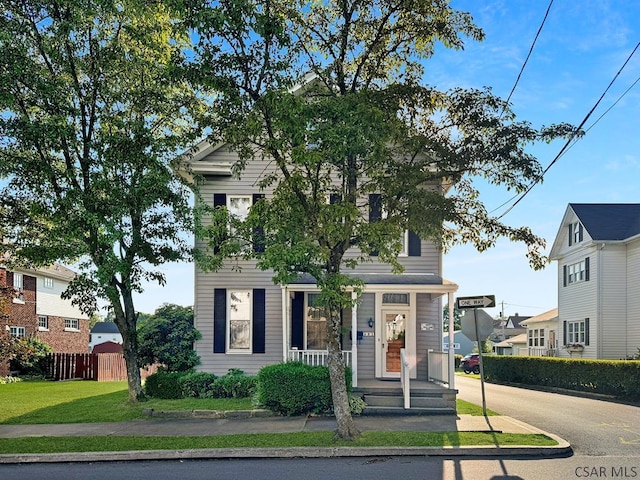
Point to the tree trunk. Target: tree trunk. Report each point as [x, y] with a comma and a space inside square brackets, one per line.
[346, 428]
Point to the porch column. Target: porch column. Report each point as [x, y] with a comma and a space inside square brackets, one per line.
[285, 322]
[354, 340]
[452, 361]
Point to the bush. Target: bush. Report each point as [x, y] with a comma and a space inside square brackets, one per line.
[197, 384]
[235, 384]
[164, 384]
[620, 378]
[294, 388]
[30, 354]
[6, 380]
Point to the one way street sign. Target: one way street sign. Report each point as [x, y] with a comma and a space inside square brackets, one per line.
[484, 301]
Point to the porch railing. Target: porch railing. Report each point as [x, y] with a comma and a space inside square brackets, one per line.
[542, 352]
[316, 357]
[438, 366]
[405, 368]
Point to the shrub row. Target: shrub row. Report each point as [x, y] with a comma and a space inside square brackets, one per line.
[620, 378]
[174, 385]
[294, 388]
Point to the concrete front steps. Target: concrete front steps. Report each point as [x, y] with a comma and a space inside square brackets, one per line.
[430, 399]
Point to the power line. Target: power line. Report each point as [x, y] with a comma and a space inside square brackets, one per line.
[528, 55]
[572, 137]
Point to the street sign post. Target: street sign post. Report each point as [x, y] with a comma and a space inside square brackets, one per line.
[481, 301]
[477, 328]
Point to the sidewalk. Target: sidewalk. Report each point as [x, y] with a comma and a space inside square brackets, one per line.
[193, 426]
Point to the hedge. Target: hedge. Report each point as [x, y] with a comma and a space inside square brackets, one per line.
[293, 388]
[620, 378]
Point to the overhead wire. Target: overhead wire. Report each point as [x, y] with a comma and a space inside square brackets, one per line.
[572, 137]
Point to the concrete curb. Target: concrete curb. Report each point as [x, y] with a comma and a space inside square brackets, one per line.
[562, 449]
[213, 414]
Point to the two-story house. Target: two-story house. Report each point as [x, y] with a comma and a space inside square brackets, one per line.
[38, 309]
[247, 321]
[598, 253]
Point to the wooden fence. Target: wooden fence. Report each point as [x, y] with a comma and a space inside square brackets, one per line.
[103, 367]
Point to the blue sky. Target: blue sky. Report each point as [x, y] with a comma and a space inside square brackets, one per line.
[580, 49]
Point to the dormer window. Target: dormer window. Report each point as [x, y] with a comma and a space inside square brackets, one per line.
[575, 233]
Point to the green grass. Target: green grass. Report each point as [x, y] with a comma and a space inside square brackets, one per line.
[84, 402]
[466, 408]
[262, 440]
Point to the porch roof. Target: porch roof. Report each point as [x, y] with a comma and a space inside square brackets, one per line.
[418, 282]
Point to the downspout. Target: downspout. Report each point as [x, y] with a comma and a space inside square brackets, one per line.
[354, 340]
[599, 297]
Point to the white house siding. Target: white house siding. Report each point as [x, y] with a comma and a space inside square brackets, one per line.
[633, 298]
[578, 301]
[612, 294]
[48, 301]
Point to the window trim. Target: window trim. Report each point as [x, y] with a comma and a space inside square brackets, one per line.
[17, 331]
[229, 319]
[576, 335]
[69, 325]
[43, 323]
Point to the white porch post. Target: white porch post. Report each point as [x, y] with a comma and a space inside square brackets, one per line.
[354, 341]
[452, 361]
[285, 323]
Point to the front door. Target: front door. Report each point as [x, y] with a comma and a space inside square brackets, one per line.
[394, 323]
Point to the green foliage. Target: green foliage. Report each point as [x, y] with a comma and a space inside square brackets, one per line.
[457, 317]
[457, 358]
[29, 354]
[163, 384]
[235, 384]
[168, 338]
[620, 378]
[294, 388]
[197, 384]
[6, 380]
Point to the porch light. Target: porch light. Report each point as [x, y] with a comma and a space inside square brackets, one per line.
[370, 322]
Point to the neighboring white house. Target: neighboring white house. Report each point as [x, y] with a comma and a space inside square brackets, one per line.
[598, 253]
[516, 345]
[103, 332]
[542, 334]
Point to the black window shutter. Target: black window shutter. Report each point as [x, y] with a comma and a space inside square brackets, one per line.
[586, 269]
[580, 237]
[564, 276]
[219, 320]
[586, 331]
[375, 211]
[259, 318]
[258, 232]
[570, 234]
[565, 333]
[334, 198]
[414, 245]
[297, 320]
[219, 200]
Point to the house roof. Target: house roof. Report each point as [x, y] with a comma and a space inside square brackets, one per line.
[543, 317]
[105, 327]
[522, 338]
[609, 221]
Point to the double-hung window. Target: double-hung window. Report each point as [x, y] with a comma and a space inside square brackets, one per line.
[238, 207]
[18, 332]
[316, 324]
[239, 318]
[72, 324]
[48, 282]
[18, 281]
[576, 332]
[43, 323]
[576, 272]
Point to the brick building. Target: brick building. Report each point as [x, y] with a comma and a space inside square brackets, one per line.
[38, 310]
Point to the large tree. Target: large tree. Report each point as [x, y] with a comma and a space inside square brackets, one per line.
[90, 115]
[334, 96]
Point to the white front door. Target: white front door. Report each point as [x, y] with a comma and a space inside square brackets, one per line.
[394, 329]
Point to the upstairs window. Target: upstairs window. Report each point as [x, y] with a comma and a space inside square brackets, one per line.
[72, 324]
[575, 233]
[48, 282]
[576, 272]
[18, 281]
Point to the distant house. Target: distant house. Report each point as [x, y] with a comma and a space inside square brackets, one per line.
[103, 332]
[462, 344]
[542, 334]
[505, 328]
[516, 345]
[39, 310]
[597, 248]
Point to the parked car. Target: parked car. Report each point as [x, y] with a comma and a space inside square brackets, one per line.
[470, 363]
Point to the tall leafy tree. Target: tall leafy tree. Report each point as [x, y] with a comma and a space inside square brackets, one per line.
[167, 337]
[91, 113]
[358, 147]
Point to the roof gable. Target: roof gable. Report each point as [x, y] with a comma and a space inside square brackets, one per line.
[609, 221]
